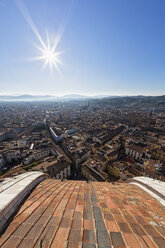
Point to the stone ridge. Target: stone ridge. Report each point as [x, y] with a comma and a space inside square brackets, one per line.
[88, 215]
[154, 187]
[13, 191]
[157, 185]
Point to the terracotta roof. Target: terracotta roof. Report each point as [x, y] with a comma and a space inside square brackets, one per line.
[80, 214]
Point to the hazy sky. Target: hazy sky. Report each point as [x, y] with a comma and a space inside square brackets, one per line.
[114, 47]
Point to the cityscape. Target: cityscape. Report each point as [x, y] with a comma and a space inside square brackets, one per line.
[90, 169]
[84, 139]
[82, 124]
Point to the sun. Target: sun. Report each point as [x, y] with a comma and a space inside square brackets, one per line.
[47, 50]
[49, 54]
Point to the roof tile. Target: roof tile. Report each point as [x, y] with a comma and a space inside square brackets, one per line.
[89, 237]
[75, 235]
[117, 239]
[88, 215]
[131, 240]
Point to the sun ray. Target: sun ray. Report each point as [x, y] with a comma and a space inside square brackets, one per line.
[39, 58]
[48, 51]
[49, 54]
[40, 48]
[58, 61]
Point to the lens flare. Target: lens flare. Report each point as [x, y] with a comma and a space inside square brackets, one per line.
[49, 54]
[48, 51]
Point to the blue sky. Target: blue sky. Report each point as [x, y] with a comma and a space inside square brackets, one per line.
[112, 47]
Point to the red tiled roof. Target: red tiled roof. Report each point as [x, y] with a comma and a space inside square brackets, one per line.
[80, 214]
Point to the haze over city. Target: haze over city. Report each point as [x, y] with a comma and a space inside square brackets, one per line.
[101, 47]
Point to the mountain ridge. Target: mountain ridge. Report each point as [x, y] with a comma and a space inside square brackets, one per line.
[28, 97]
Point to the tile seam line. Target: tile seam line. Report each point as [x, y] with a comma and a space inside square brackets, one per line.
[131, 230]
[91, 205]
[116, 225]
[122, 232]
[21, 223]
[150, 238]
[93, 190]
[39, 188]
[106, 225]
[136, 235]
[43, 184]
[41, 215]
[152, 227]
[48, 188]
[73, 215]
[76, 183]
[160, 234]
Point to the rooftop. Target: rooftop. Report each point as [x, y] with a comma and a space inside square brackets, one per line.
[80, 214]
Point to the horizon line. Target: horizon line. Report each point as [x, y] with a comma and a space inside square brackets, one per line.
[79, 94]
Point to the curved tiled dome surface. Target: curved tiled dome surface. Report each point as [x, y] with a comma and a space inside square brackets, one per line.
[80, 214]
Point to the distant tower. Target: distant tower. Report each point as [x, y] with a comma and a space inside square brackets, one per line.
[88, 106]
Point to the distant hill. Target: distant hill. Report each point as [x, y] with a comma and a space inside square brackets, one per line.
[134, 101]
[114, 101]
[26, 97]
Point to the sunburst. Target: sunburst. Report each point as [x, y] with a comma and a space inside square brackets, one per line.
[49, 53]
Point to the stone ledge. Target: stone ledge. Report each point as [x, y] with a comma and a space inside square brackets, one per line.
[7, 183]
[13, 192]
[154, 187]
